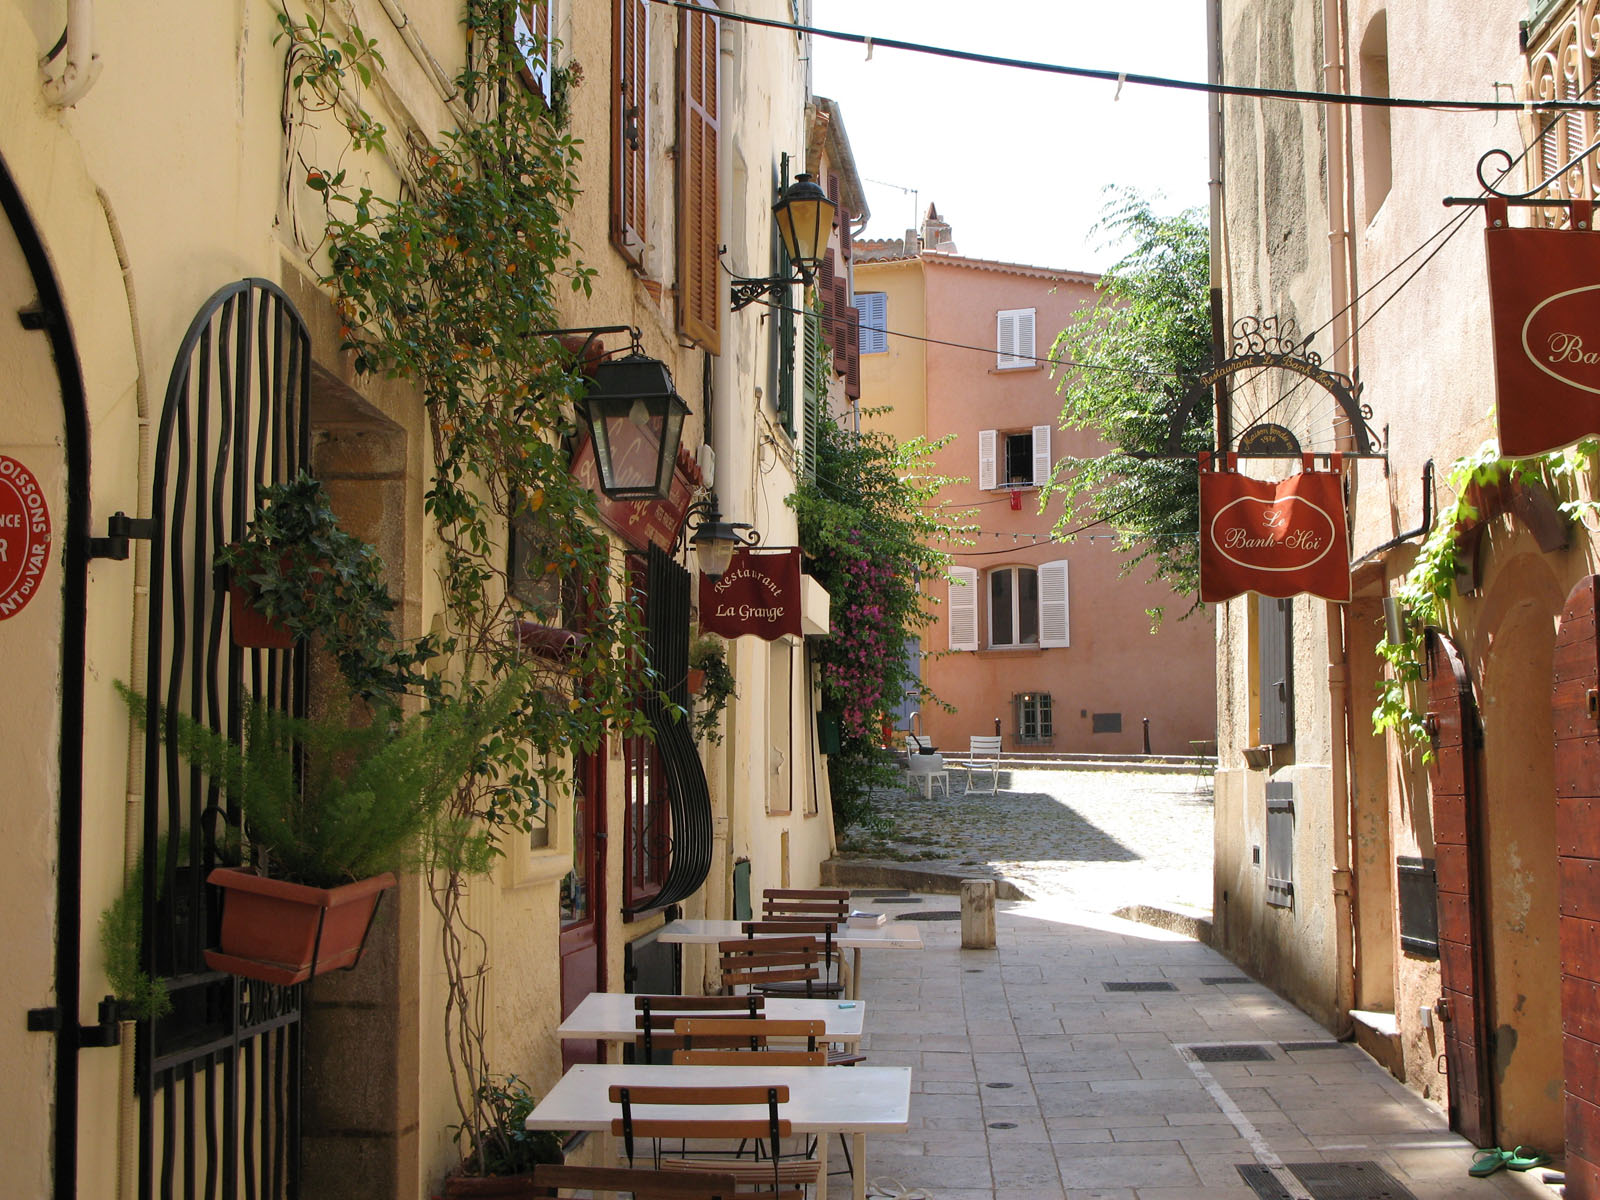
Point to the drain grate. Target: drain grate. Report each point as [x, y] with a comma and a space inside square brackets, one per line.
[1215, 980]
[930, 916]
[1126, 985]
[1296, 1047]
[1328, 1181]
[999, 1085]
[1217, 1054]
[1002, 1124]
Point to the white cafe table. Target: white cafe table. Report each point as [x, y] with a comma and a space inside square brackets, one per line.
[609, 1017]
[893, 935]
[822, 1100]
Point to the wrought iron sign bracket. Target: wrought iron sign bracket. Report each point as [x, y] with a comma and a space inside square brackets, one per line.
[1528, 199]
[121, 529]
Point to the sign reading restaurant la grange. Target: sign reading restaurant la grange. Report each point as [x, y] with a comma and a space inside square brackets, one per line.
[1276, 538]
[24, 536]
[758, 594]
[1544, 300]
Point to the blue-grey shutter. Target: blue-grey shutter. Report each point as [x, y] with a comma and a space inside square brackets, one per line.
[874, 307]
[1276, 681]
[1280, 844]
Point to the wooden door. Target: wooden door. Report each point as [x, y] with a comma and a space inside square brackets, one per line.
[1457, 799]
[583, 908]
[1575, 699]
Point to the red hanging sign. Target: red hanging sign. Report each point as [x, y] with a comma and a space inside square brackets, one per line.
[641, 522]
[1278, 539]
[758, 594]
[24, 536]
[1544, 292]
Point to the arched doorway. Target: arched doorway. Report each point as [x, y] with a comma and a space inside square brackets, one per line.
[43, 474]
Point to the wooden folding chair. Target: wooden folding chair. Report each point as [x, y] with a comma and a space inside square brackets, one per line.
[644, 1183]
[653, 1013]
[787, 1177]
[830, 981]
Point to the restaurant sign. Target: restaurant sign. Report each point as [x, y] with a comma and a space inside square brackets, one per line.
[24, 536]
[1279, 539]
[1544, 294]
[641, 522]
[758, 594]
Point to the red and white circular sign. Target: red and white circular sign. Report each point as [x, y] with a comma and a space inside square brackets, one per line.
[24, 536]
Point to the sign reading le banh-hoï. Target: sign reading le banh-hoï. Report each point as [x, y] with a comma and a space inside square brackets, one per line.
[1279, 539]
[24, 536]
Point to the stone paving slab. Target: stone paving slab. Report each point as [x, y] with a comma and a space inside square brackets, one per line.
[1104, 1100]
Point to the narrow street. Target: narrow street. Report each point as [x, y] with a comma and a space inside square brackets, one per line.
[1090, 1057]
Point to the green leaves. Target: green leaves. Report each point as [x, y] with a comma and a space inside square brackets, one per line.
[1127, 362]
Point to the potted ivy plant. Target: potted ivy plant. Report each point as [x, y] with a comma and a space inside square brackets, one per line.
[330, 812]
[294, 573]
[708, 654]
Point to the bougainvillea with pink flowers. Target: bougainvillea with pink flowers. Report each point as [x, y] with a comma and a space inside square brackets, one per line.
[873, 530]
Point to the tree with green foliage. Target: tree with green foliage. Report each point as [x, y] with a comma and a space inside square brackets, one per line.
[1127, 362]
[870, 522]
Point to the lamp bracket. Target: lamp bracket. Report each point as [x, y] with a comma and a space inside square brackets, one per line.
[593, 331]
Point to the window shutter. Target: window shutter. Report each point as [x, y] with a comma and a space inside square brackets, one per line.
[986, 444]
[963, 608]
[874, 308]
[1280, 844]
[1014, 337]
[852, 362]
[1024, 350]
[629, 128]
[781, 352]
[839, 334]
[699, 130]
[1042, 461]
[827, 293]
[1277, 687]
[812, 434]
[1054, 627]
[1005, 336]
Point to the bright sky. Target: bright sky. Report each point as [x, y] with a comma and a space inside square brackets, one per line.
[1017, 161]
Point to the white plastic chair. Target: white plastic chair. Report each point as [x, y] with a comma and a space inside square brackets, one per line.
[984, 758]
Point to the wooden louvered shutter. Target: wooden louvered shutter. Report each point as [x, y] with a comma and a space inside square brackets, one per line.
[630, 60]
[852, 359]
[963, 608]
[782, 381]
[839, 334]
[1273, 647]
[827, 293]
[986, 460]
[699, 131]
[1042, 461]
[1054, 626]
[813, 385]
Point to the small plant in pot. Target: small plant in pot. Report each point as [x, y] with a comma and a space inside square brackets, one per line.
[294, 573]
[499, 1160]
[708, 654]
[330, 812]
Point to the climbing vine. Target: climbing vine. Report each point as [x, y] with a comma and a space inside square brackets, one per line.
[1425, 591]
[447, 284]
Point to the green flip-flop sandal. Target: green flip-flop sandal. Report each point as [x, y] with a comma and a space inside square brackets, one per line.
[1487, 1162]
[1526, 1160]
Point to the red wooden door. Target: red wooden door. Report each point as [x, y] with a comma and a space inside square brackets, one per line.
[583, 907]
[1457, 825]
[1574, 699]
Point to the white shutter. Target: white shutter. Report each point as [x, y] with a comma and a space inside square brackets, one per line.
[1005, 334]
[1053, 625]
[1024, 345]
[986, 452]
[1013, 335]
[963, 608]
[1041, 455]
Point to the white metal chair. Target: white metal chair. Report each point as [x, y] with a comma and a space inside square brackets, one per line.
[984, 759]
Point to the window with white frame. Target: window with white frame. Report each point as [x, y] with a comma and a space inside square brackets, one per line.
[1023, 607]
[874, 310]
[1034, 722]
[1014, 339]
[1014, 458]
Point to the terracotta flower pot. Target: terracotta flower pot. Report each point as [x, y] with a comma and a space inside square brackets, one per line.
[270, 929]
[252, 628]
[697, 681]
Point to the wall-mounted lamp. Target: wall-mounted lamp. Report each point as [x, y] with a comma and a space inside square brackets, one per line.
[633, 412]
[714, 539]
[805, 224]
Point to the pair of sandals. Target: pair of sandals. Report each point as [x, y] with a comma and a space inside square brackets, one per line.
[1487, 1162]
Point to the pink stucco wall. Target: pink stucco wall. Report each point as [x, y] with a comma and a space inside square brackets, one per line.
[1114, 664]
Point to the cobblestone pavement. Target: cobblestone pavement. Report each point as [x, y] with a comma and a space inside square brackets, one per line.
[1097, 839]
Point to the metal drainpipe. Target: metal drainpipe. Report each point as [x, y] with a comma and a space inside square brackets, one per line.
[82, 65]
[133, 808]
[1335, 78]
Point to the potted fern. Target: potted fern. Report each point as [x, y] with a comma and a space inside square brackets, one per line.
[330, 812]
[708, 656]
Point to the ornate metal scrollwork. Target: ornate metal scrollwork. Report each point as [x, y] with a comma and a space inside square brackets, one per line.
[1274, 335]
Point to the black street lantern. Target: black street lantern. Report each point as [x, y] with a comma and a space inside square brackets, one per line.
[805, 224]
[635, 416]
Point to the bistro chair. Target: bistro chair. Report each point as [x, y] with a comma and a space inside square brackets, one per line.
[660, 1013]
[756, 963]
[805, 904]
[983, 758]
[644, 1183]
[829, 983]
[774, 1178]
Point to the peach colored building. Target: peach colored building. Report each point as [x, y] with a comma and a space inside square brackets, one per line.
[1039, 640]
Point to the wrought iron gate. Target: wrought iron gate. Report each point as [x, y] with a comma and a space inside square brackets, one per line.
[219, 1078]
